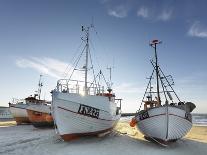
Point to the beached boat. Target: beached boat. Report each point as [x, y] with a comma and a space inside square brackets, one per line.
[81, 108]
[40, 115]
[18, 110]
[18, 106]
[158, 121]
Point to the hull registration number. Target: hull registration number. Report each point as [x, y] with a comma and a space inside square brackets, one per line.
[88, 111]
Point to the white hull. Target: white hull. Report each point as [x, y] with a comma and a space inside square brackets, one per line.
[70, 122]
[19, 112]
[165, 123]
[44, 108]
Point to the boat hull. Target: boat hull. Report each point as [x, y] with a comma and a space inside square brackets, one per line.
[40, 115]
[166, 123]
[19, 113]
[72, 121]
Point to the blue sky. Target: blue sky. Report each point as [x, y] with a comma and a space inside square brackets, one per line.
[41, 37]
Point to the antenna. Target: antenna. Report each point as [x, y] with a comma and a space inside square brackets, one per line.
[154, 42]
[39, 87]
[109, 68]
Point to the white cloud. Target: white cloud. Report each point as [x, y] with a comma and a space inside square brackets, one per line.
[197, 30]
[143, 12]
[165, 15]
[49, 66]
[146, 13]
[120, 11]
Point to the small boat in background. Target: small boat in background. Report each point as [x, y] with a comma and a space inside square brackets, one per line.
[158, 121]
[18, 107]
[81, 108]
[40, 115]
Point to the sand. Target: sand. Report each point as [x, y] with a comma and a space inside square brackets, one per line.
[7, 123]
[25, 139]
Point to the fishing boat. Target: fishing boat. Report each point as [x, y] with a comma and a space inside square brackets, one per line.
[164, 117]
[40, 115]
[18, 107]
[82, 108]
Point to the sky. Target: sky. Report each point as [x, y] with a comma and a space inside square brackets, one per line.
[43, 36]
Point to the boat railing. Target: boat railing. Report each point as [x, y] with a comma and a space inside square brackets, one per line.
[78, 87]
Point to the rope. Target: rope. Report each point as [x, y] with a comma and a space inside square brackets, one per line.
[145, 91]
[65, 74]
[76, 63]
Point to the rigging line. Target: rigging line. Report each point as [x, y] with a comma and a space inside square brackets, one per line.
[76, 63]
[92, 65]
[96, 85]
[99, 38]
[161, 81]
[170, 85]
[103, 47]
[95, 54]
[146, 90]
[104, 78]
[65, 74]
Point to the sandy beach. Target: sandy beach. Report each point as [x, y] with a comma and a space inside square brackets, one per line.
[25, 139]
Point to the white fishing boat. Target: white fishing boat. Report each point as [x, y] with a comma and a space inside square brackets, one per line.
[18, 106]
[81, 108]
[164, 117]
[18, 111]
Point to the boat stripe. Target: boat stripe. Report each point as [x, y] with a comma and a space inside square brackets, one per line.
[164, 114]
[79, 103]
[81, 114]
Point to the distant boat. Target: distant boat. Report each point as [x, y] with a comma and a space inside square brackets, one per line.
[40, 115]
[79, 112]
[18, 107]
[158, 121]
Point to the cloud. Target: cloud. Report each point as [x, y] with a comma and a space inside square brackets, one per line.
[143, 12]
[49, 66]
[120, 11]
[165, 15]
[151, 14]
[197, 30]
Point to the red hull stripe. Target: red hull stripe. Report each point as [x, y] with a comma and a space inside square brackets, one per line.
[81, 114]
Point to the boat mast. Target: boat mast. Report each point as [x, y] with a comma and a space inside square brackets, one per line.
[154, 45]
[110, 83]
[86, 30]
[39, 87]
